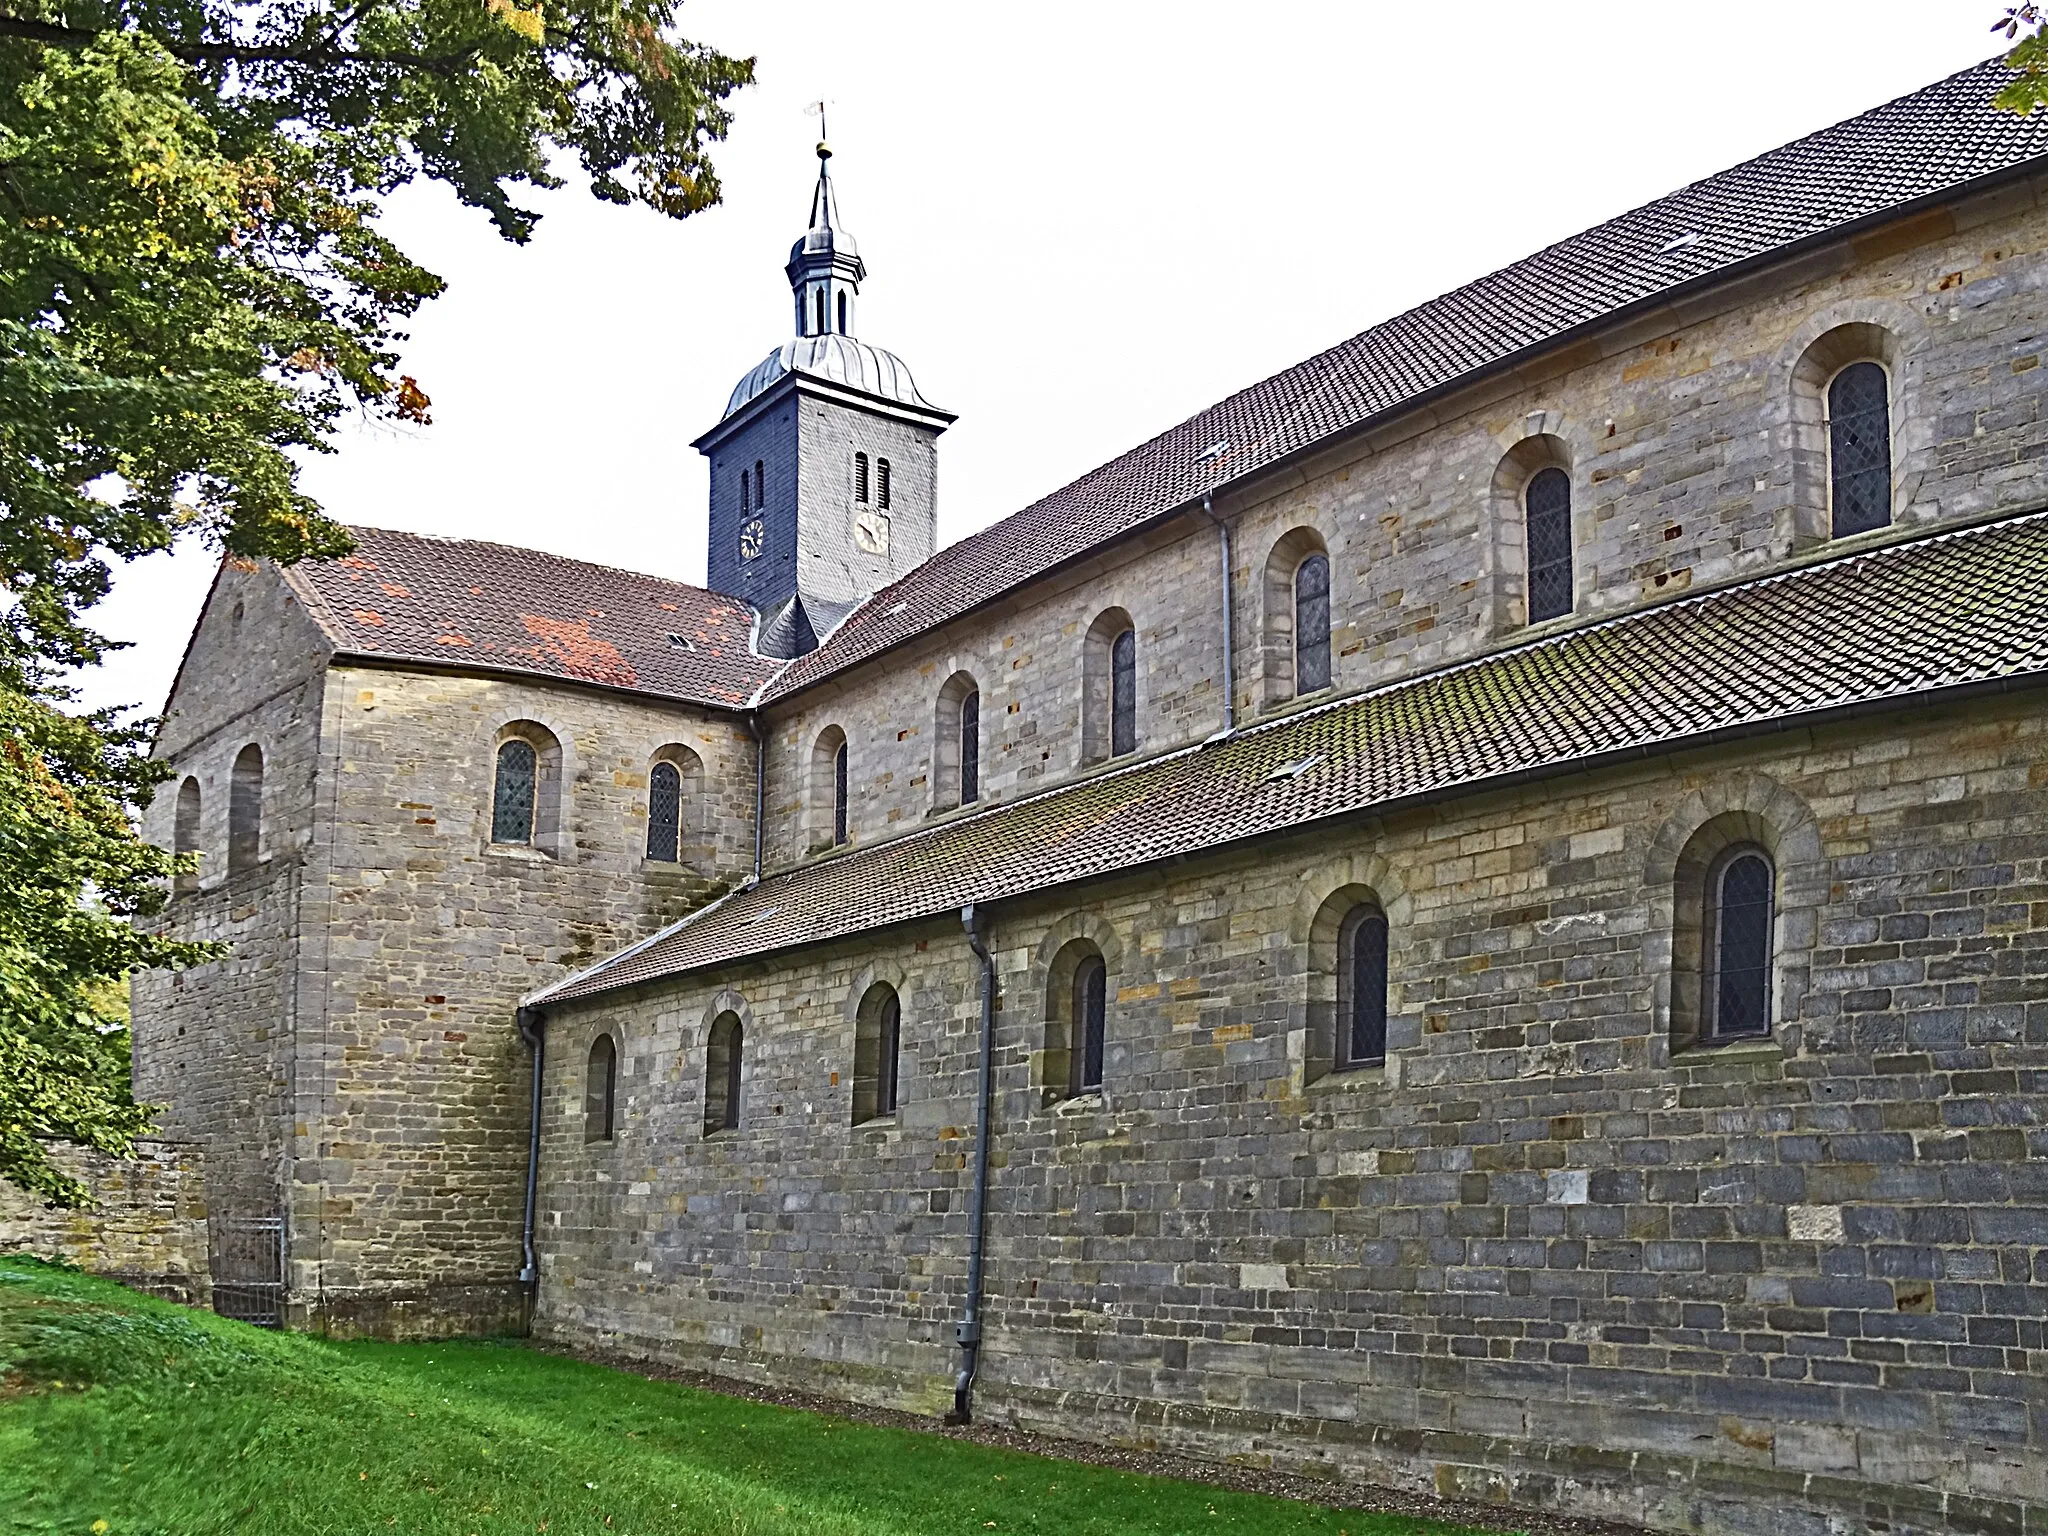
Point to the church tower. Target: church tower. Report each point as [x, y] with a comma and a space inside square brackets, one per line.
[824, 469]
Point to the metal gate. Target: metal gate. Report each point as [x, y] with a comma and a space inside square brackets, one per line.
[248, 1269]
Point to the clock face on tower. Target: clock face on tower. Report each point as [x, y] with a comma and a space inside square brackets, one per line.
[751, 538]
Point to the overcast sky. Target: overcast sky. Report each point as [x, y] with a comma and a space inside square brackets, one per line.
[1083, 222]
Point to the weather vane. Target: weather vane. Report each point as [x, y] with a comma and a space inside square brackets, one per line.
[817, 109]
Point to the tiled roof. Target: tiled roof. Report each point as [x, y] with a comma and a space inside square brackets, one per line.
[1932, 142]
[1953, 609]
[461, 603]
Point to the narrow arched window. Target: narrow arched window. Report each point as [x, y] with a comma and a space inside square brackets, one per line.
[1739, 915]
[882, 484]
[888, 1043]
[970, 749]
[877, 1043]
[512, 796]
[760, 484]
[822, 327]
[860, 477]
[722, 1075]
[1312, 624]
[839, 795]
[185, 832]
[1123, 693]
[1362, 989]
[1091, 1002]
[842, 314]
[600, 1089]
[664, 813]
[746, 490]
[245, 809]
[1547, 516]
[1860, 449]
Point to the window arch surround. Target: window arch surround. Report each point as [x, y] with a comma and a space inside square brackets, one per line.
[675, 793]
[956, 743]
[1521, 469]
[601, 1089]
[831, 789]
[1282, 638]
[877, 1051]
[1344, 908]
[1073, 953]
[185, 832]
[527, 768]
[1832, 341]
[1111, 687]
[1701, 840]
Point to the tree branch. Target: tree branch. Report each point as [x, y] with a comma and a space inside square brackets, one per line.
[55, 35]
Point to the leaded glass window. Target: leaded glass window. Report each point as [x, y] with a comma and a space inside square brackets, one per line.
[512, 798]
[839, 795]
[1547, 509]
[664, 813]
[1091, 989]
[1123, 693]
[1860, 449]
[1739, 920]
[1362, 989]
[600, 1089]
[888, 1038]
[970, 749]
[1312, 624]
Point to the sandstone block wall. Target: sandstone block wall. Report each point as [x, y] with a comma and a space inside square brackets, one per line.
[1790, 1286]
[1695, 459]
[146, 1227]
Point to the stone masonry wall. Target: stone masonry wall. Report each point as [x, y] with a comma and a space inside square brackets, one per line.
[409, 1163]
[1795, 1286]
[1693, 462]
[146, 1226]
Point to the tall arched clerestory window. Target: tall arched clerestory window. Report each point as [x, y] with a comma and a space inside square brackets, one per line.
[185, 834]
[956, 743]
[1362, 989]
[600, 1089]
[1859, 449]
[1109, 687]
[1123, 693]
[970, 749]
[723, 1074]
[1740, 913]
[830, 789]
[245, 810]
[877, 1048]
[1091, 1010]
[1312, 624]
[664, 813]
[513, 793]
[1547, 528]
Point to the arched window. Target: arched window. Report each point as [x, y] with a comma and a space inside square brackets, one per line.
[1312, 624]
[970, 749]
[826, 812]
[860, 477]
[839, 795]
[760, 483]
[877, 1043]
[722, 1075]
[822, 326]
[1362, 989]
[512, 798]
[746, 490]
[842, 313]
[1091, 1004]
[882, 484]
[1547, 515]
[600, 1089]
[1740, 909]
[1860, 449]
[185, 833]
[1123, 693]
[245, 809]
[664, 813]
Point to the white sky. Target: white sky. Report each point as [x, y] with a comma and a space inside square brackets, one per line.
[1082, 222]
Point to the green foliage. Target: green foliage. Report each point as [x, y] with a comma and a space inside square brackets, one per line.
[119, 1400]
[2029, 87]
[193, 289]
[72, 874]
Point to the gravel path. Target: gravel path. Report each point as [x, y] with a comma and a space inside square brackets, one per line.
[1281, 1485]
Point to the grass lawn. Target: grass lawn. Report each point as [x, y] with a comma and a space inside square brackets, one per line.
[121, 1415]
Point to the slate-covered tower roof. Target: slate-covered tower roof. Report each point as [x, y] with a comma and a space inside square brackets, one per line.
[823, 467]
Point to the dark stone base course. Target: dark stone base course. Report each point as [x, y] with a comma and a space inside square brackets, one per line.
[1473, 1478]
[449, 1311]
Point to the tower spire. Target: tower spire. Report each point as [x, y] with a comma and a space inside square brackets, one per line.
[825, 269]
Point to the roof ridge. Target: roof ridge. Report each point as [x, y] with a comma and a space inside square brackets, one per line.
[454, 540]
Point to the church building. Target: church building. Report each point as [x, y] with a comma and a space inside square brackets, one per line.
[1472, 917]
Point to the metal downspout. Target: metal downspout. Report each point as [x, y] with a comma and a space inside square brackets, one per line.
[533, 1030]
[967, 1332]
[1229, 638]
